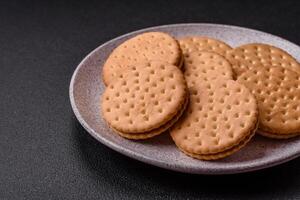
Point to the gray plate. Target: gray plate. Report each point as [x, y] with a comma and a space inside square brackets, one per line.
[86, 86]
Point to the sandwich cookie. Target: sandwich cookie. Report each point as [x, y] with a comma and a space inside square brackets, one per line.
[145, 100]
[144, 47]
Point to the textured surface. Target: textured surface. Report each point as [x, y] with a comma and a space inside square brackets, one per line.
[46, 154]
[219, 121]
[256, 55]
[278, 94]
[144, 97]
[206, 66]
[144, 47]
[223, 154]
[221, 112]
[196, 43]
[158, 130]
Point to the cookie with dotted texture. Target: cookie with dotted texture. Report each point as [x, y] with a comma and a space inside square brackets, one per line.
[222, 154]
[144, 97]
[203, 65]
[218, 121]
[197, 43]
[222, 115]
[256, 55]
[277, 90]
[143, 47]
[157, 131]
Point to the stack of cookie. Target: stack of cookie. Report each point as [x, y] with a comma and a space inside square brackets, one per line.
[211, 97]
[146, 91]
[273, 76]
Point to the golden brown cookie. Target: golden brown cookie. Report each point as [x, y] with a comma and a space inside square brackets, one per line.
[144, 98]
[222, 114]
[206, 65]
[223, 154]
[197, 43]
[157, 131]
[143, 47]
[277, 90]
[256, 55]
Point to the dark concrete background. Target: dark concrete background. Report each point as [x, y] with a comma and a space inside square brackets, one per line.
[46, 154]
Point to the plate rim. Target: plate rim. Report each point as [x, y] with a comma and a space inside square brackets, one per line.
[148, 160]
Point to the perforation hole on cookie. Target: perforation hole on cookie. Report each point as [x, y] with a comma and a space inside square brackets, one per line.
[208, 86]
[247, 113]
[136, 81]
[214, 119]
[227, 126]
[107, 98]
[124, 83]
[160, 110]
[196, 119]
[296, 107]
[214, 126]
[231, 134]
[268, 119]
[146, 118]
[228, 107]
[210, 108]
[205, 115]
[213, 134]
[117, 106]
[197, 134]
[242, 125]
[222, 100]
[200, 108]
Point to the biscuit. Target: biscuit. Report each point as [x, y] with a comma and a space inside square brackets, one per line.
[197, 43]
[277, 90]
[223, 154]
[144, 98]
[143, 47]
[205, 65]
[276, 136]
[256, 55]
[222, 114]
[156, 131]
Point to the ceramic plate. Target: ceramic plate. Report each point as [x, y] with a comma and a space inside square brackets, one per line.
[86, 87]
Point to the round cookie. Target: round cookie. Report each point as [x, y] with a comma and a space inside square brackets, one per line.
[157, 131]
[277, 91]
[197, 43]
[144, 98]
[204, 65]
[256, 55]
[222, 114]
[143, 47]
[219, 120]
[223, 154]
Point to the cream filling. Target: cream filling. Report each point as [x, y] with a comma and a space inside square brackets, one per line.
[276, 135]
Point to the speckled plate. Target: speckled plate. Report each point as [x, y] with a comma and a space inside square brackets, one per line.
[86, 86]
